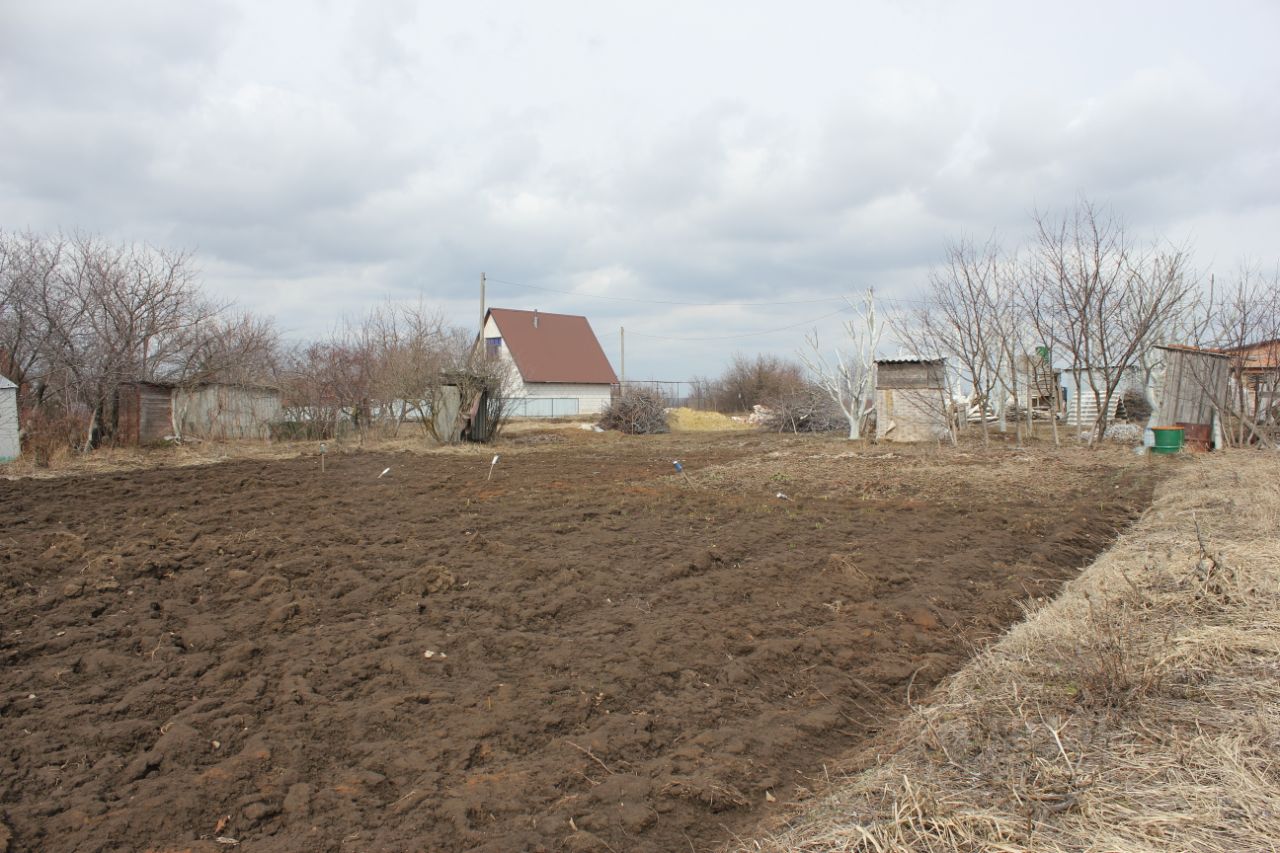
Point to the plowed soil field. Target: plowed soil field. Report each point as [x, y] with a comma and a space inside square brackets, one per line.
[586, 652]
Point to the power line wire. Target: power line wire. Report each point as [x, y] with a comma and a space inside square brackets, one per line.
[888, 300]
[745, 335]
[669, 301]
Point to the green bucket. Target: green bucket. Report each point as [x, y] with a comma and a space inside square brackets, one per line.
[1168, 440]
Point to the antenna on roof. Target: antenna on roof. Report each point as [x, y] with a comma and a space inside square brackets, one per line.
[535, 318]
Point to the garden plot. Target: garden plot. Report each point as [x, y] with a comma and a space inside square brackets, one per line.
[586, 652]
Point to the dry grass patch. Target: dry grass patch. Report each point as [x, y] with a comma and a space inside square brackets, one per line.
[1140, 710]
[691, 420]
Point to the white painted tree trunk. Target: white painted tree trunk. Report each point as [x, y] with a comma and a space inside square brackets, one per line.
[848, 379]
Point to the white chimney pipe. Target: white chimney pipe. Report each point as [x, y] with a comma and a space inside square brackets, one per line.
[535, 318]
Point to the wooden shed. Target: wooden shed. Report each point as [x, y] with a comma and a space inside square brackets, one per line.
[10, 444]
[911, 399]
[1039, 384]
[1196, 383]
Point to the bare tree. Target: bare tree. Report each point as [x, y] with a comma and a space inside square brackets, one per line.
[1101, 300]
[961, 317]
[918, 341]
[848, 375]
[395, 365]
[1016, 346]
[237, 349]
[35, 312]
[80, 315]
[1242, 320]
[747, 382]
[413, 347]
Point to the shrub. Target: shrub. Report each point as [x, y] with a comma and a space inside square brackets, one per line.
[49, 434]
[748, 382]
[636, 411]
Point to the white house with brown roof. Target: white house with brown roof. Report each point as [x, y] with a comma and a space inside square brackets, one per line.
[558, 367]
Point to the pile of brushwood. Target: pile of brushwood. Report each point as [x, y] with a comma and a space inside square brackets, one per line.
[803, 408]
[636, 411]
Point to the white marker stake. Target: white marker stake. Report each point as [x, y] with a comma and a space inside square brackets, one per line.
[491, 466]
[322, 454]
[385, 472]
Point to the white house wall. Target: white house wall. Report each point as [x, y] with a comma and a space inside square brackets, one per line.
[592, 399]
[10, 448]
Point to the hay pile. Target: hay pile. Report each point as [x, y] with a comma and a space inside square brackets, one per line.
[691, 420]
[1138, 711]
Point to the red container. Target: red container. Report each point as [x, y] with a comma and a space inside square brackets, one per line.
[1197, 438]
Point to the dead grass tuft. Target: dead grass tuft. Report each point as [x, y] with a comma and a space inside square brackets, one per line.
[1138, 711]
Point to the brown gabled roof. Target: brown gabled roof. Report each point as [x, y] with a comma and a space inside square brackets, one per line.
[560, 348]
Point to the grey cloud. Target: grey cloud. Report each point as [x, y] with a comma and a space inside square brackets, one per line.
[102, 56]
[405, 153]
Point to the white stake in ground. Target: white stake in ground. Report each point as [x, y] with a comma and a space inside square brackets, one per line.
[491, 466]
[322, 452]
[385, 472]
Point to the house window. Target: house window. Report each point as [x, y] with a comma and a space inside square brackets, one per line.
[491, 346]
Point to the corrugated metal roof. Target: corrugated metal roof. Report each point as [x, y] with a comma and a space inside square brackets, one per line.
[5, 383]
[911, 359]
[558, 348]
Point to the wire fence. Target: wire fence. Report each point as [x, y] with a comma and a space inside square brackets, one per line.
[675, 393]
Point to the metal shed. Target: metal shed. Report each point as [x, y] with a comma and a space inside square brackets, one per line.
[144, 412]
[148, 412]
[911, 399]
[10, 444]
[219, 411]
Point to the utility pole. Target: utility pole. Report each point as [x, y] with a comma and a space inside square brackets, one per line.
[622, 362]
[482, 308]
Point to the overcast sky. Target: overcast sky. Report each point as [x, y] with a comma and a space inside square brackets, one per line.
[322, 156]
